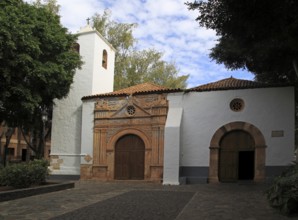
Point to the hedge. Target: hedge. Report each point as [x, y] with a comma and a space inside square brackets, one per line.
[24, 175]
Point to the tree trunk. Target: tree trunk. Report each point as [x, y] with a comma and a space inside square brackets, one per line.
[28, 142]
[41, 143]
[19, 145]
[8, 135]
[3, 131]
[1, 147]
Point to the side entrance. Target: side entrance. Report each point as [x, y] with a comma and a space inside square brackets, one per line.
[236, 161]
[129, 158]
[237, 152]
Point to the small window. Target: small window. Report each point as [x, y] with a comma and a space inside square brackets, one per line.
[131, 110]
[237, 105]
[104, 59]
[76, 47]
[10, 151]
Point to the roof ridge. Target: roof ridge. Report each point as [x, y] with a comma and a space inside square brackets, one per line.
[140, 86]
[143, 88]
[230, 83]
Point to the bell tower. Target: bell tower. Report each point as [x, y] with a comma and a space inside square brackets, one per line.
[96, 76]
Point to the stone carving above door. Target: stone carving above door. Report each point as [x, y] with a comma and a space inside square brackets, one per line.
[144, 105]
[114, 103]
[107, 104]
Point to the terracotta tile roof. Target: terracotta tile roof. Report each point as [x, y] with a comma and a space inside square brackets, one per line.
[224, 84]
[144, 88]
[232, 83]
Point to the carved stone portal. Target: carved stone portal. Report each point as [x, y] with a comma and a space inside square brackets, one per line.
[115, 117]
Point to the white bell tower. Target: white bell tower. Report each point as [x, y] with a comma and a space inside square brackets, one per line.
[96, 76]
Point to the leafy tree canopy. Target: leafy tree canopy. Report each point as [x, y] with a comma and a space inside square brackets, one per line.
[260, 36]
[37, 63]
[50, 5]
[134, 66]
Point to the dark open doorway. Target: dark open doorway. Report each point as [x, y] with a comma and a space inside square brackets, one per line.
[24, 154]
[236, 158]
[246, 165]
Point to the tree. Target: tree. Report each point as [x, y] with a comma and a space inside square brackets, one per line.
[50, 5]
[260, 36]
[131, 65]
[37, 62]
[148, 66]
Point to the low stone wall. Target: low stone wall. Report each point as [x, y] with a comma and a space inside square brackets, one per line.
[21, 193]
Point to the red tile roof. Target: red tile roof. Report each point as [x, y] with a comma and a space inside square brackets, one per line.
[232, 83]
[144, 88]
[224, 84]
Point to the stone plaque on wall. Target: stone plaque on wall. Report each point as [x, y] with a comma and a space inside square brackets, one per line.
[277, 133]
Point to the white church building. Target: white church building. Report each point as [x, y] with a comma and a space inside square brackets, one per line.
[224, 131]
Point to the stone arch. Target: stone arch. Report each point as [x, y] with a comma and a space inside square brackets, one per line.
[260, 146]
[142, 135]
[112, 144]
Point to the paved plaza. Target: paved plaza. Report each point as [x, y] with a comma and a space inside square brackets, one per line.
[139, 200]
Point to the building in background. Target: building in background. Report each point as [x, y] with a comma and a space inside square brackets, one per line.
[18, 150]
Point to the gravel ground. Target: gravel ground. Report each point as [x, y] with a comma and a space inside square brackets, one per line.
[135, 205]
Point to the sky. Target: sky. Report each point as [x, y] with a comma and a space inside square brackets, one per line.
[164, 25]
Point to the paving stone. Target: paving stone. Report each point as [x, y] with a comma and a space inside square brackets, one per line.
[134, 205]
[185, 202]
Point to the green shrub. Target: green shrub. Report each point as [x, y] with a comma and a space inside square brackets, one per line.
[283, 194]
[16, 175]
[39, 171]
[25, 174]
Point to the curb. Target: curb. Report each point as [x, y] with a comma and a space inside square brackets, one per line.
[21, 193]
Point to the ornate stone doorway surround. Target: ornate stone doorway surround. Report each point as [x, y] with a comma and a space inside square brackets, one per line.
[111, 150]
[142, 115]
[260, 147]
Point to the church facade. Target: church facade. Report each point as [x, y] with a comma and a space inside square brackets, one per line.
[224, 131]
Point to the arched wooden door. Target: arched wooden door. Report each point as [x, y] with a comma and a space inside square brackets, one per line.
[129, 158]
[236, 160]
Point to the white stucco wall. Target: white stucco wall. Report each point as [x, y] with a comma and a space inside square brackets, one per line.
[269, 109]
[102, 79]
[87, 130]
[172, 147]
[172, 140]
[91, 79]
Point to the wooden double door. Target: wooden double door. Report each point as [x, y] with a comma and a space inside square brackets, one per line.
[129, 158]
[237, 156]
